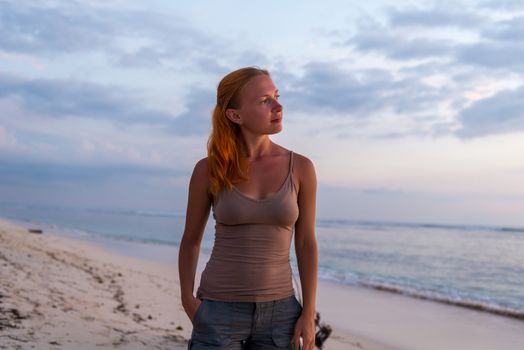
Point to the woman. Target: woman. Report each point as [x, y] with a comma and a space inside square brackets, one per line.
[259, 191]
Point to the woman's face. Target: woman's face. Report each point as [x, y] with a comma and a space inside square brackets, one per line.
[259, 111]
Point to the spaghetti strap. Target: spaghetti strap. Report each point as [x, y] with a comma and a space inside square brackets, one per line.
[293, 186]
[291, 163]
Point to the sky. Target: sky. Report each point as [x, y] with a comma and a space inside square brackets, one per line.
[412, 111]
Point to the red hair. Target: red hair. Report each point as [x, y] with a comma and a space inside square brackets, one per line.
[225, 161]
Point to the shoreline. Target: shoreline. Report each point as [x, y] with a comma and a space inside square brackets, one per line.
[163, 252]
[402, 322]
[167, 253]
[67, 293]
[361, 318]
[457, 303]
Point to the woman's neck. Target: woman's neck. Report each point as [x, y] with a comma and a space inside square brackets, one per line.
[257, 147]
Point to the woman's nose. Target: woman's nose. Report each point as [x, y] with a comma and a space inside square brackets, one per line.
[277, 105]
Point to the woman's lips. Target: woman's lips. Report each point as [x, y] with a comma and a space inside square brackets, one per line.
[278, 120]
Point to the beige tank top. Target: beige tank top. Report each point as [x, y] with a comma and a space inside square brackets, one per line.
[250, 257]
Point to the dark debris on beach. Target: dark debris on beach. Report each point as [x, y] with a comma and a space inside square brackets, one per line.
[10, 318]
[35, 230]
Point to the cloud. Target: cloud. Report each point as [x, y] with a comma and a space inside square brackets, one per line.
[507, 30]
[501, 113]
[436, 17]
[164, 40]
[501, 55]
[34, 27]
[64, 98]
[399, 41]
[38, 173]
[498, 46]
[143, 57]
[325, 86]
[400, 47]
[507, 5]
[434, 65]
[196, 120]
[130, 37]
[494, 55]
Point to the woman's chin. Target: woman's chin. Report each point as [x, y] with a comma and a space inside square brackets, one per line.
[276, 130]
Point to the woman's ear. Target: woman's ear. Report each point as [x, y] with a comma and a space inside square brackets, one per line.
[233, 115]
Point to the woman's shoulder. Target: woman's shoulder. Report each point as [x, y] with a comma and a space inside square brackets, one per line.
[302, 163]
[298, 159]
[200, 171]
[304, 171]
[201, 164]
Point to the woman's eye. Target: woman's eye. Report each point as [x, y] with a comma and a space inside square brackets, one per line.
[268, 99]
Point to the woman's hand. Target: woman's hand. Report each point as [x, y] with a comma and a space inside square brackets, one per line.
[305, 328]
[191, 306]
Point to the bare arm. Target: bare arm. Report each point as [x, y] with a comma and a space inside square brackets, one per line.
[198, 205]
[306, 251]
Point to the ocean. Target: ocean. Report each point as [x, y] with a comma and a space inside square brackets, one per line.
[478, 267]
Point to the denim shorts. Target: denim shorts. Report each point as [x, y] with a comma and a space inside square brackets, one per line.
[245, 325]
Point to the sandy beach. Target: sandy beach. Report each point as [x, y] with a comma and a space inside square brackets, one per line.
[59, 293]
[63, 293]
